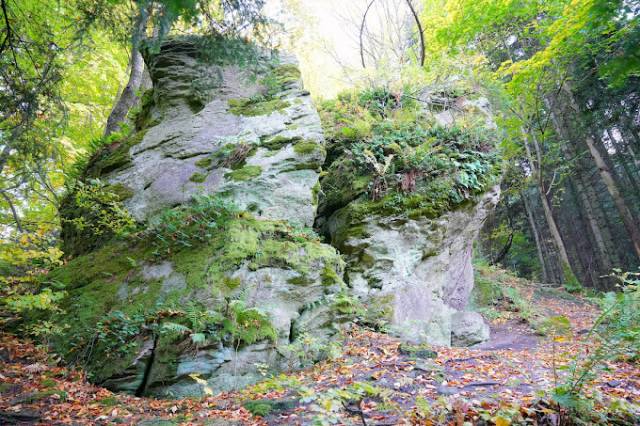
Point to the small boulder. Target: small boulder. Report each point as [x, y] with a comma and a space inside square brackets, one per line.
[468, 328]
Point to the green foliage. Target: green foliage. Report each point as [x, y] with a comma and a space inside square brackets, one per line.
[258, 408]
[107, 154]
[329, 403]
[498, 293]
[35, 397]
[190, 224]
[248, 325]
[379, 100]
[306, 350]
[264, 407]
[117, 335]
[91, 214]
[571, 283]
[615, 335]
[46, 300]
[117, 331]
[277, 79]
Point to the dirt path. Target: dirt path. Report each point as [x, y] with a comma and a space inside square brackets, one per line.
[507, 371]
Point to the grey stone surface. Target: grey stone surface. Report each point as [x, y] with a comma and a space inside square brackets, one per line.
[421, 269]
[165, 159]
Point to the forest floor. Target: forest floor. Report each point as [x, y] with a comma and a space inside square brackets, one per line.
[372, 382]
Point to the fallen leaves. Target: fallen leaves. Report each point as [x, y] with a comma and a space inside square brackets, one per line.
[495, 384]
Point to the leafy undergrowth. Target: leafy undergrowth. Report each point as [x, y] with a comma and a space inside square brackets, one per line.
[508, 380]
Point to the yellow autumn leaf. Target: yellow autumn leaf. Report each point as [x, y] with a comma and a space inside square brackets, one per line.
[501, 421]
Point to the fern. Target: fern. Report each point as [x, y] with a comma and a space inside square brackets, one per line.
[173, 328]
[198, 338]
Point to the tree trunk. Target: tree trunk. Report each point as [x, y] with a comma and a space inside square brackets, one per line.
[536, 237]
[587, 262]
[551, 222]
[587, 205]
[621, 205]
[129, 95]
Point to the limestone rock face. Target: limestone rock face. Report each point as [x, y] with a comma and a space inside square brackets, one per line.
[234, 300]
[419, 270]
[199, 125]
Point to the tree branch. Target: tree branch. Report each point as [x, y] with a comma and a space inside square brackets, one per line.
[362, 26]
[420, 30]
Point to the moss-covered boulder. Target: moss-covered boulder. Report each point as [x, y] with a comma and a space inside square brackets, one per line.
[192, 264]
[407, 187]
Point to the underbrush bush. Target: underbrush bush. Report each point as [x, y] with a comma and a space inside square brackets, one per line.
[614, 337]
[118, 335]
[497, 294]
[25, 290]
[93, 213]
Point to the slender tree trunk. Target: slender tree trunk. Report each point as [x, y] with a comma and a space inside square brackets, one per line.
[129, 96]
[588, 262]
[536, 237]
[587, 205]
[625, 154]
[551, 222]
[14, 212]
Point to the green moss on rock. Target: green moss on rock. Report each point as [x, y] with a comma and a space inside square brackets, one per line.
[422, 350]
[343, 183]
[299, 280]
[114, 156]
[204, 163]
[287, 73]
[245, 173]
[278, 142]
[330, 276]
[307, 147]
[198, 177]
[264, 407]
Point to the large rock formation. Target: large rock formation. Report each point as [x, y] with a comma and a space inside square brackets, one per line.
[222, 276]
[222, 175]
